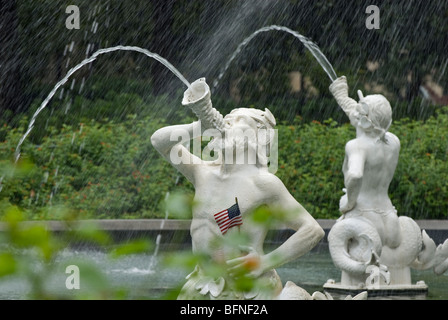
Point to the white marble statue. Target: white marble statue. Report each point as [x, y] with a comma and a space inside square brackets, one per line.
[226, 192]
[370, 243]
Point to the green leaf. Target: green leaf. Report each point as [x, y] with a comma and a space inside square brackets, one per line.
[8, 264]
[179, 205]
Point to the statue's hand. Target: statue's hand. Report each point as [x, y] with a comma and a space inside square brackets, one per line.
[249, 265]
[344, 206]
[339, 86]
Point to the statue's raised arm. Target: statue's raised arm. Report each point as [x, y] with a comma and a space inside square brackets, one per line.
[364, 114]
[169, 141]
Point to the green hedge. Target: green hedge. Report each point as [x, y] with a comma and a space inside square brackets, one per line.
[311, 157]
[110, 170]
[101, 171]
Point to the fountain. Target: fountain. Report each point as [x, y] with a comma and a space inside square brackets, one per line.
[221, 180]
[248, 256]
[374, 248]
[227, 195]
[233, 180]
[235, 192]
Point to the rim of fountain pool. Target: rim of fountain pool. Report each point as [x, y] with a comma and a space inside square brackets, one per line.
[184, 224]
[175, 233]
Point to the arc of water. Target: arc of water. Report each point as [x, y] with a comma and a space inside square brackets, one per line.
[79, 66]
[311, 46]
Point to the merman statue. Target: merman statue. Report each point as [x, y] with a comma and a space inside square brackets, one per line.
[228, 189]
[370, 243]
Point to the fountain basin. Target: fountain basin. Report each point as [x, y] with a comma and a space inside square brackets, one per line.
[133, 273]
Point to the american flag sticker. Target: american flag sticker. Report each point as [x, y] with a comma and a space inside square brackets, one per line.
[229, 218]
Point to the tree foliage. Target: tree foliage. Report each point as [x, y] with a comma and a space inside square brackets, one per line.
[199, 38]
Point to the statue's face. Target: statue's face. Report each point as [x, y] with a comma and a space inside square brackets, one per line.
[245, 137]
[240, 133]
[239, 120]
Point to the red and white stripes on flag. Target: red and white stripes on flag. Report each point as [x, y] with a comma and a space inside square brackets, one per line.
[229, 218]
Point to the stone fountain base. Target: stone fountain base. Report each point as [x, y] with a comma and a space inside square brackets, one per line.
[419, 289]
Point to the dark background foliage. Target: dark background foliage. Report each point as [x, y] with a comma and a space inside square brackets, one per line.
[90, 147]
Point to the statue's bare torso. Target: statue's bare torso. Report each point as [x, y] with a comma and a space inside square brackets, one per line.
[380, 161]
[251, 189]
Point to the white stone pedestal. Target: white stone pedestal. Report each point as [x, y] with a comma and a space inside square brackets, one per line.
[418, 290]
